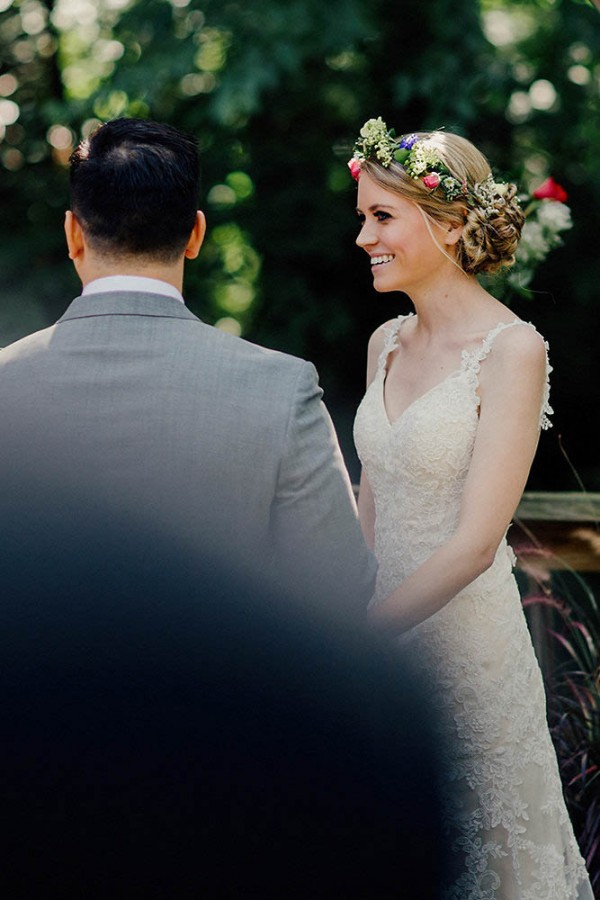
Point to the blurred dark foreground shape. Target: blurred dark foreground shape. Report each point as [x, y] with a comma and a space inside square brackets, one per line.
[173, 729]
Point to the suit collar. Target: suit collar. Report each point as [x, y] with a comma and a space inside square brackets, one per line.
[127, 303]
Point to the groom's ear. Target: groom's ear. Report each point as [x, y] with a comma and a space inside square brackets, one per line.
[196, 237]
[74, 236]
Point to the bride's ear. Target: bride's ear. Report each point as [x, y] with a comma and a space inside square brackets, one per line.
[453, 234]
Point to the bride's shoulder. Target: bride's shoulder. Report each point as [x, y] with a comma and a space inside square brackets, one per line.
[381, 342]
[379, 339]
[516, 364]
[519, 342]
[384, 333]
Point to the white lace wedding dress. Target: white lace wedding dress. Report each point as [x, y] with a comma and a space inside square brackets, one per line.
[508, 826]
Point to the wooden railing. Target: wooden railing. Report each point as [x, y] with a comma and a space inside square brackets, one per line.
[566, 525]
[555, 533]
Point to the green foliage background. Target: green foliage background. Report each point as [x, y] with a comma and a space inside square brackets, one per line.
[276, 90]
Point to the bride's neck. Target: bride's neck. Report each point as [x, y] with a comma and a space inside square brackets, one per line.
[442, 305]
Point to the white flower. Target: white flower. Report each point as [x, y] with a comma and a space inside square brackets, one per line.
[533, 245]
[554, 216]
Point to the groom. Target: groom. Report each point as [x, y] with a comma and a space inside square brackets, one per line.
[132, 402]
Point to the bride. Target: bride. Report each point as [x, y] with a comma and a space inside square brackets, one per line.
[446, 433]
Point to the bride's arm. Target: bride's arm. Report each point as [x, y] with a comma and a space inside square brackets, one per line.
[512, 388]
[366, 511]
[366, 504]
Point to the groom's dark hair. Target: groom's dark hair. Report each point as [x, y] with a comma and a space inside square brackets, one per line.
[134, 188]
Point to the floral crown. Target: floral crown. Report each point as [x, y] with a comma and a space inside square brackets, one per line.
[421, 161]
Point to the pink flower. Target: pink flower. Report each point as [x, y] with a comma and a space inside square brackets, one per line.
[431, 181]
[354, 166]
[550, 190]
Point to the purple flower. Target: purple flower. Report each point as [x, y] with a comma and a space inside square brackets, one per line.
[408, 141]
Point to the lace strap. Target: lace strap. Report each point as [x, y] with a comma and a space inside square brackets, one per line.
[486, 345]
[390, 341]
[473, 359]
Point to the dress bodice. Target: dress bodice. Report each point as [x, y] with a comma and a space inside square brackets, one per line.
[418, 463]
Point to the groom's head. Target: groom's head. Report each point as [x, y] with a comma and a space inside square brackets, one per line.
[134, 190]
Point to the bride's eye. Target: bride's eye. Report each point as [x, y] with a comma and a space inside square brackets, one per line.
[381, 216]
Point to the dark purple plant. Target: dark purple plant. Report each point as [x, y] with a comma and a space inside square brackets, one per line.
[573, 626]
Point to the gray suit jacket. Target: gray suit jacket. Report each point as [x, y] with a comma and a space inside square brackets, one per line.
[221, 443]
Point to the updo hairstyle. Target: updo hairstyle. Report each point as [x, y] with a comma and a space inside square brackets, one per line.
[490, 235]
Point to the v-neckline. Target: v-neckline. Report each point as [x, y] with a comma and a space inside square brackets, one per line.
[384, 370]
[465, 355]
[393, 422]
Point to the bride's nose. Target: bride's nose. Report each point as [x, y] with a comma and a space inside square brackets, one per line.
[366, 236]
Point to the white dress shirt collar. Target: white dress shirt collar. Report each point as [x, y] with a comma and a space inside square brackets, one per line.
[139, 283]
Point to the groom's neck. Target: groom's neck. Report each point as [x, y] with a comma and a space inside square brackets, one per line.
[100, 266]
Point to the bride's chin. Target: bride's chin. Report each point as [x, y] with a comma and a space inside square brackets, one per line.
[382, 284]
[383, 288]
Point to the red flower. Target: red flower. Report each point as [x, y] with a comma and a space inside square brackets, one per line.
[354, 166]
[550, 190]
[431, 181]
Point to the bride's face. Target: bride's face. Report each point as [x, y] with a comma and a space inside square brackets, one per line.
[393, 232]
